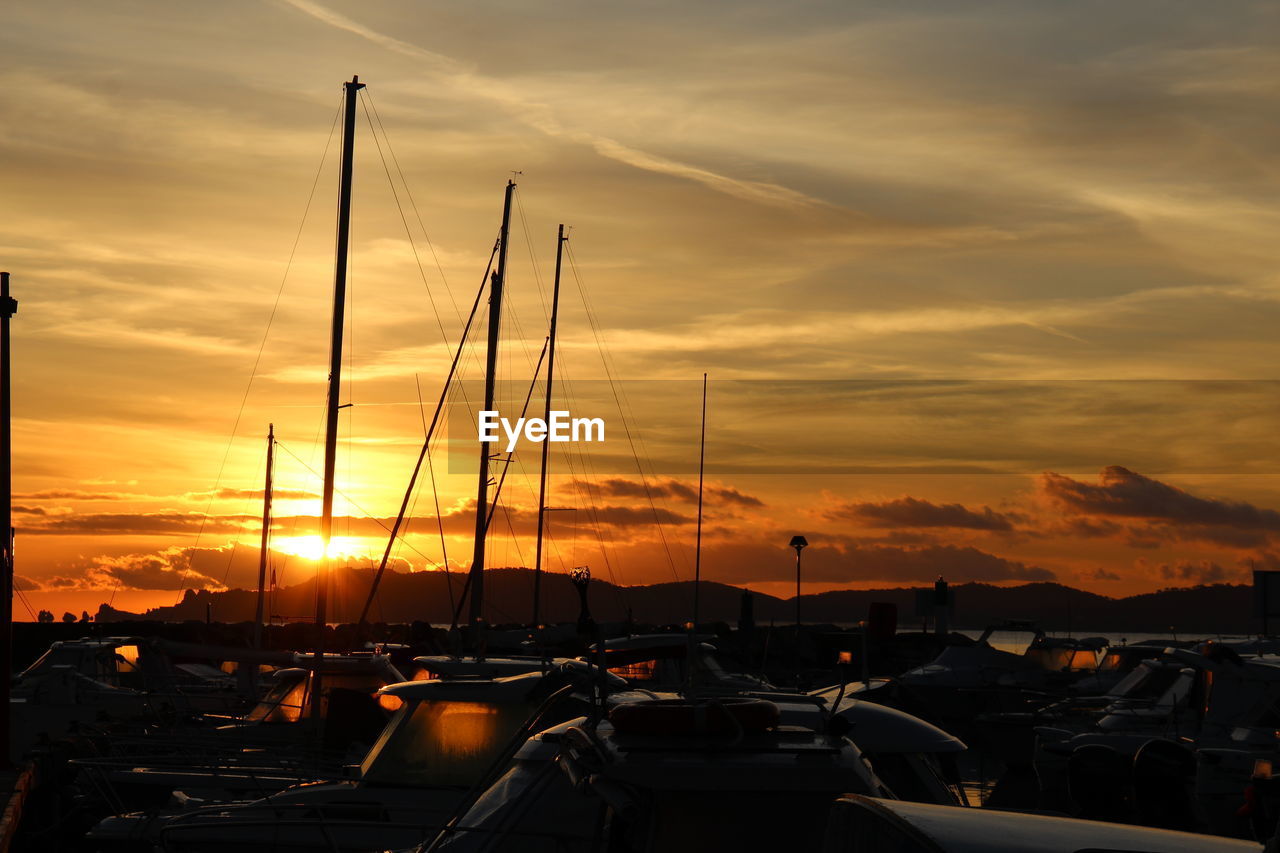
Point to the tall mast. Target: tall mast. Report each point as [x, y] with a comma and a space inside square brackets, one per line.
[8, 307]
[476, 578]
[697, 548]
[546, 445]
[351, 91]
[266, 535]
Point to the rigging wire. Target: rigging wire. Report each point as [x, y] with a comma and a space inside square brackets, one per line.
[506, 464]
[426, 445]
[435, 493]
[253, 373]
[618, 400]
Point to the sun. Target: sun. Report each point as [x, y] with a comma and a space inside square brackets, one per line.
[312, 547]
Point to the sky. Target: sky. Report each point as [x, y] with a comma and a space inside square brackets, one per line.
[983, 289]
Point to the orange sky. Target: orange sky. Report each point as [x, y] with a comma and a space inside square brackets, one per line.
[986, 290]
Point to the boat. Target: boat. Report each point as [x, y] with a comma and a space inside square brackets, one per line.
[1198, 726]
[442, 739]
[676, 775]
[862, 824]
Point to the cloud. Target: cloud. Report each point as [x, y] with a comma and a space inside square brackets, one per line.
[218, 568]
[1121, 493]
[1194, 572]
[540, 117]
[1101, 574]
[913, 512]
[678, 490]
[844, 560]
[172, 569]
[167, 523]
[255, 494]
[1152, 513]
[75, 495]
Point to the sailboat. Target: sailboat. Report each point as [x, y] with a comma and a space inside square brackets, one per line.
[399, 792]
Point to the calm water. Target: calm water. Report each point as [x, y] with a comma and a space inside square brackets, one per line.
[1016, 641]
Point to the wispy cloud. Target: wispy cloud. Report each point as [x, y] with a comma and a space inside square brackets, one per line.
[541, 117]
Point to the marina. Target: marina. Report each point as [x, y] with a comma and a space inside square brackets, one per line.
[935, 511]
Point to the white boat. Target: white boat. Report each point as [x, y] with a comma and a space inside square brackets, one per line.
[860, 824]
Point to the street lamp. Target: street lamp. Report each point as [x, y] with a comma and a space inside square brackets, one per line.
[799, 543]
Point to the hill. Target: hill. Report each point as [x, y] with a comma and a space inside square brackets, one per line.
[432, 597]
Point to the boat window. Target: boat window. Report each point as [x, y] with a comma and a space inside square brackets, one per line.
[282, 704]
[911, 779]
[1051, 659]
[441, 742]
[1084, 660]
[641, 670]
[1111, 662]
[126, 659]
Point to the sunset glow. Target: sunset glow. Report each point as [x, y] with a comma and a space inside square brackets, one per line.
[984, 290]
[312, 547]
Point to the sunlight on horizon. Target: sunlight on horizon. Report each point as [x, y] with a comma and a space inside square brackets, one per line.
[312, 547]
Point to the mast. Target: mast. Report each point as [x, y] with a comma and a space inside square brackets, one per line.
[351, 90]
[8, 307]
[697, 548]
[476, 577]
[546, 445]
[266, 535]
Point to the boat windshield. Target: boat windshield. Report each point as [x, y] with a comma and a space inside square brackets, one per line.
[441, 742]
[282, 704]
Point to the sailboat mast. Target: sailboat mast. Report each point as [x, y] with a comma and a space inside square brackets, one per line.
[8, 307]
[546, 445]
[266, 535]
[697, 548]
[351, 90]
[476, 578]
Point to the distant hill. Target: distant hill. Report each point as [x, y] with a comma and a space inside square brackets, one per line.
[427, 596]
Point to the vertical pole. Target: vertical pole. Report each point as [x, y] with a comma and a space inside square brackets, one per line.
[797, 598]
[546, 445]
[351, 91]
[866, 660]
[8, 307]
[697, 548]
[476, 576]
[799, 543]
[266, 536]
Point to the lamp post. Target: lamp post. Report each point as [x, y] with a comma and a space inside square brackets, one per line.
[799, 543]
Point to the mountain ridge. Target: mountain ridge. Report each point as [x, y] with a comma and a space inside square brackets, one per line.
[433, 597]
